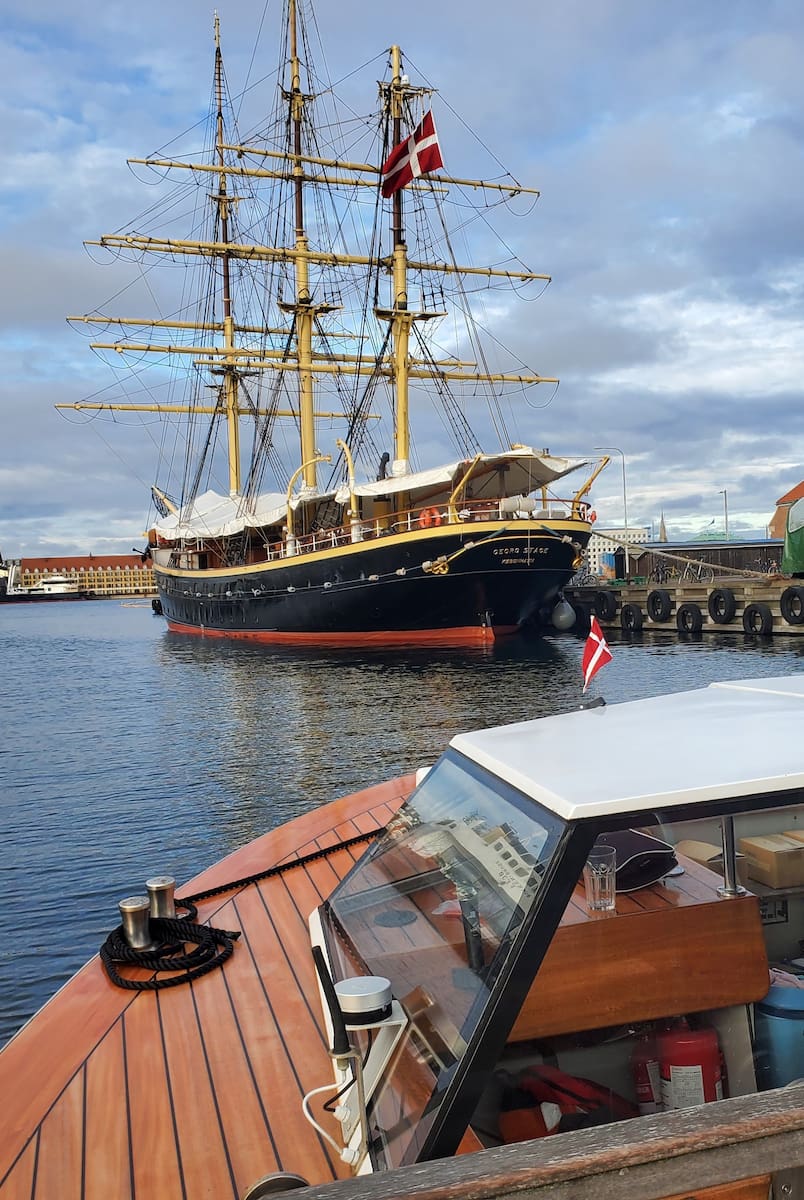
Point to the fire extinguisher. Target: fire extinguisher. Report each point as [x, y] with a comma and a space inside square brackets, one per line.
[645, 1072]
[689, 1066]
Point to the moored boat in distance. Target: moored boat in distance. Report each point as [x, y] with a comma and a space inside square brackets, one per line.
[50, 587]
[413, 972]
[352, 542]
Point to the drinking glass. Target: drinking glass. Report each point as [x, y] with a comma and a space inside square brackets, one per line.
[599, 877]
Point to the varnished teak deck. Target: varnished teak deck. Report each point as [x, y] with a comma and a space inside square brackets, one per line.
[196, 1090]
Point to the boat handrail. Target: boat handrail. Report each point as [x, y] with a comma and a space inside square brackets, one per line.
[425, 515]
[412, 520]
[670, 1153]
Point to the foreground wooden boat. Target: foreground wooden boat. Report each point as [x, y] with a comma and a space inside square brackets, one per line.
[458, 972]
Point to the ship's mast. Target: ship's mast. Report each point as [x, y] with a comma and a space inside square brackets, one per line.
[229, 370]
[401, 317]
[303, 309]
[299, 353]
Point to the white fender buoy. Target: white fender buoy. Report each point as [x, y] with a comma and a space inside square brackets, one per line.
[563, 615]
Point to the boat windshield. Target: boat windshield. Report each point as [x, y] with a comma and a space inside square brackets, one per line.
[434, 907]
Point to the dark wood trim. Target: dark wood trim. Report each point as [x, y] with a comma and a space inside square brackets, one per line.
[647, 1158]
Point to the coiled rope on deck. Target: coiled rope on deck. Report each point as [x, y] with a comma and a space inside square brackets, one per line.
[213, 946]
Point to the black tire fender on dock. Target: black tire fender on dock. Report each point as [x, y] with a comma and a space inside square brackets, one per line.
[660, 605]
[631, 618]
[689, 618]
[605, 605]
[757, 618]
[722, 605]
[792, 605]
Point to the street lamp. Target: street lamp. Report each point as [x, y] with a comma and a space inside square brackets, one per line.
[725, 496]
[617, 450]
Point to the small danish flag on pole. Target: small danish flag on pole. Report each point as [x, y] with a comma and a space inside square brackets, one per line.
[417, 155]
[596, 653]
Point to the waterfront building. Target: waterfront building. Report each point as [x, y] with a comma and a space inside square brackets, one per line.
[605, 543]
[102, 574]
[778, 522]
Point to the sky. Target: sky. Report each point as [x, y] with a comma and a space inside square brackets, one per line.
[666, 141]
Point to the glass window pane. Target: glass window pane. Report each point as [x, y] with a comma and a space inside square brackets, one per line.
[434, 907]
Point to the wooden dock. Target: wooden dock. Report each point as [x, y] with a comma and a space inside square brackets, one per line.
[753, 605]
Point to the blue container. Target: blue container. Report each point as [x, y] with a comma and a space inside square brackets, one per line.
[779, 1027]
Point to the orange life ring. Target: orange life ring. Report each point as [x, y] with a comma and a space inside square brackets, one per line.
[592, 517]
[428, 517]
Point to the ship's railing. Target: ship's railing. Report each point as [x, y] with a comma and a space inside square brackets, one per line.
[508, 508]
[676, 1154]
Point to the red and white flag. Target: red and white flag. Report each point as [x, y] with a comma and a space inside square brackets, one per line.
[416, 155]
[596, 653]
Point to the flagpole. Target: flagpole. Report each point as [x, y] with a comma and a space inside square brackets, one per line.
[725, 494]
[617, 450]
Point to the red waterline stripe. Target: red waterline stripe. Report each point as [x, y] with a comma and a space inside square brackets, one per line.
[461, 635]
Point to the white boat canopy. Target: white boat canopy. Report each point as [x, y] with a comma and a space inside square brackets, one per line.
[717, 743]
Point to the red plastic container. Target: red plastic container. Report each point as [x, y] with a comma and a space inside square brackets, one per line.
[690, 1067]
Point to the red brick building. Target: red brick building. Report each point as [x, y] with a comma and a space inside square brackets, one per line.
[778, 523]
[103, 574]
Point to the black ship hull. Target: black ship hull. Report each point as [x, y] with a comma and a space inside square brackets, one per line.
[442, 585]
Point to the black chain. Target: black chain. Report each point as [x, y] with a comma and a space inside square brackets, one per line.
[286, 866]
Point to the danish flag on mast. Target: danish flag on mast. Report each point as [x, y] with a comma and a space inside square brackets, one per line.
[596, 653]
[416, 155]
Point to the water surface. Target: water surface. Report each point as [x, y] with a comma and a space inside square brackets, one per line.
[126, 751]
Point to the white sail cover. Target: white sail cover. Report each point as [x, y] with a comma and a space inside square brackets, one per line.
[214, 515]
[525, 469]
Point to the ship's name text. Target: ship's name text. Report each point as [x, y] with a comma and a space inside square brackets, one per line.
[511, 555]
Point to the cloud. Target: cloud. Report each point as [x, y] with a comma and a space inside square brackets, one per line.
[668, 147]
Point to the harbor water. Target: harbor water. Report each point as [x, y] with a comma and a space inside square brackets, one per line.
[128, 752]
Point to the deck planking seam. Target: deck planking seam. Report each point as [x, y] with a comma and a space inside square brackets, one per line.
[244, 1042]
[13, 1165]
[81, 1068]
[57, 1098]
[171, 1097]
[35, 1173]
[303, 922]
[84, 1131]
[22, 1169]
[325, 1147]
[129, 1124]
[246, 1131]
[214, 1095]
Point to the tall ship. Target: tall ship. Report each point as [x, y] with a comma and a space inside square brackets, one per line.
[330, 316]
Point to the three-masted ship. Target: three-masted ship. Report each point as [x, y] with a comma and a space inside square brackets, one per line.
[346, 542]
